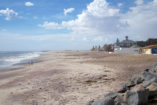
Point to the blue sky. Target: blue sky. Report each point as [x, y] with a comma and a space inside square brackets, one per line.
[74, 24]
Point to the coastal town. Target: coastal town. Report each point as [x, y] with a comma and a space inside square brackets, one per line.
[129, 46]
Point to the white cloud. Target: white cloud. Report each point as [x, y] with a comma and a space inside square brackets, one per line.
[69, 10]
[142, 21]
[28, 4]
[120, 4]
[84, 39]
[50, 25]
[98, 18]
[101, 19]
[139, 2]
[100, 8]
[8, 13]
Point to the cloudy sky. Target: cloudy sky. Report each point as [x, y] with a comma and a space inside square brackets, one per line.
[74, 24]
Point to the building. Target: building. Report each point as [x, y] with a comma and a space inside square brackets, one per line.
[126, 43]
[151, 49]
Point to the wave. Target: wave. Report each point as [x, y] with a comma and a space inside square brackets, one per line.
[22, 57]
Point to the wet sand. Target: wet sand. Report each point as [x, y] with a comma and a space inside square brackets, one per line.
[69, 78]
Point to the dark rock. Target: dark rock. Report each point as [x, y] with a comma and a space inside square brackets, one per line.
[152, 86]
[119, 100]
[111, 95]
[152, 89]
[122, 88]
[137, 96]
[147, 69]
[136, 79]
[148, 76]
[146, 83]
[105, 101]
[130, 84]
[154, 67]
[121, 104]
[149, 82]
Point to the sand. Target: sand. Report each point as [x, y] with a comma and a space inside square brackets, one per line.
[69, 77]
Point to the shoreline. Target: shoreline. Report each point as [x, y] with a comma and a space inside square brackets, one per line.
[23, 63]
[69, 77]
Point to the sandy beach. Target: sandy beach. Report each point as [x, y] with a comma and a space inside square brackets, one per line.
[69, 77]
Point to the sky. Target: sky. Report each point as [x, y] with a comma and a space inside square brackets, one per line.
[74, 24]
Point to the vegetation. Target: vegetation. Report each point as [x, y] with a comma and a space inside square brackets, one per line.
[106, 47]
[147, 42]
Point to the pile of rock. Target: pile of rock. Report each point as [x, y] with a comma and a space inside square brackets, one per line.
[140, 90]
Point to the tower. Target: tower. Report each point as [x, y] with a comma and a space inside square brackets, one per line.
[117, 42]
[126, 37]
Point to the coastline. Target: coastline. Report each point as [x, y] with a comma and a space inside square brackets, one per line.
[23, 60]
[18, 59]
[69, 77]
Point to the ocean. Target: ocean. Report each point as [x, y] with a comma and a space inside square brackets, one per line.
[9, 59]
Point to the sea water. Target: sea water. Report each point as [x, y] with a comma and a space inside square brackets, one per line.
[9, 59]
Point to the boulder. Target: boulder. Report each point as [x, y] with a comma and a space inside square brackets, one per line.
[122, 88]
[136, 79]
[119, 100]
[152, 87]
[152, 90]
[111, 95]
[154, 68]
[137, 96]
[148, 76]
[146, 83]
[130, 84]
[147, 69]
[149, 82]
[105, 101]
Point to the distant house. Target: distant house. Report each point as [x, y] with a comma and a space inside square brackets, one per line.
[151, 49]
[125, 43]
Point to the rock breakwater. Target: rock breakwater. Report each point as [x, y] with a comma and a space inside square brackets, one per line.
[141, 89]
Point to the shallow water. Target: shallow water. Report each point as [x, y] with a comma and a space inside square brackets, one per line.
[8, 59]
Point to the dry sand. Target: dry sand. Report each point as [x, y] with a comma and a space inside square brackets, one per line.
[69, 78]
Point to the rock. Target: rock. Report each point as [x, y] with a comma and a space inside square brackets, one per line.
[111, 95]
[122, 88]
[125, 96]
[105, 101]
[149, 82]
[152, 89]
[130, 84]
[147, 69]
[119, 100]
[136, 79]
[137, 88]
[148, 76]
[123, 104]
[154, 67]
[137, 96]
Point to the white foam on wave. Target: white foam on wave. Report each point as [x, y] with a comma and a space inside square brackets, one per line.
[26, 56]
